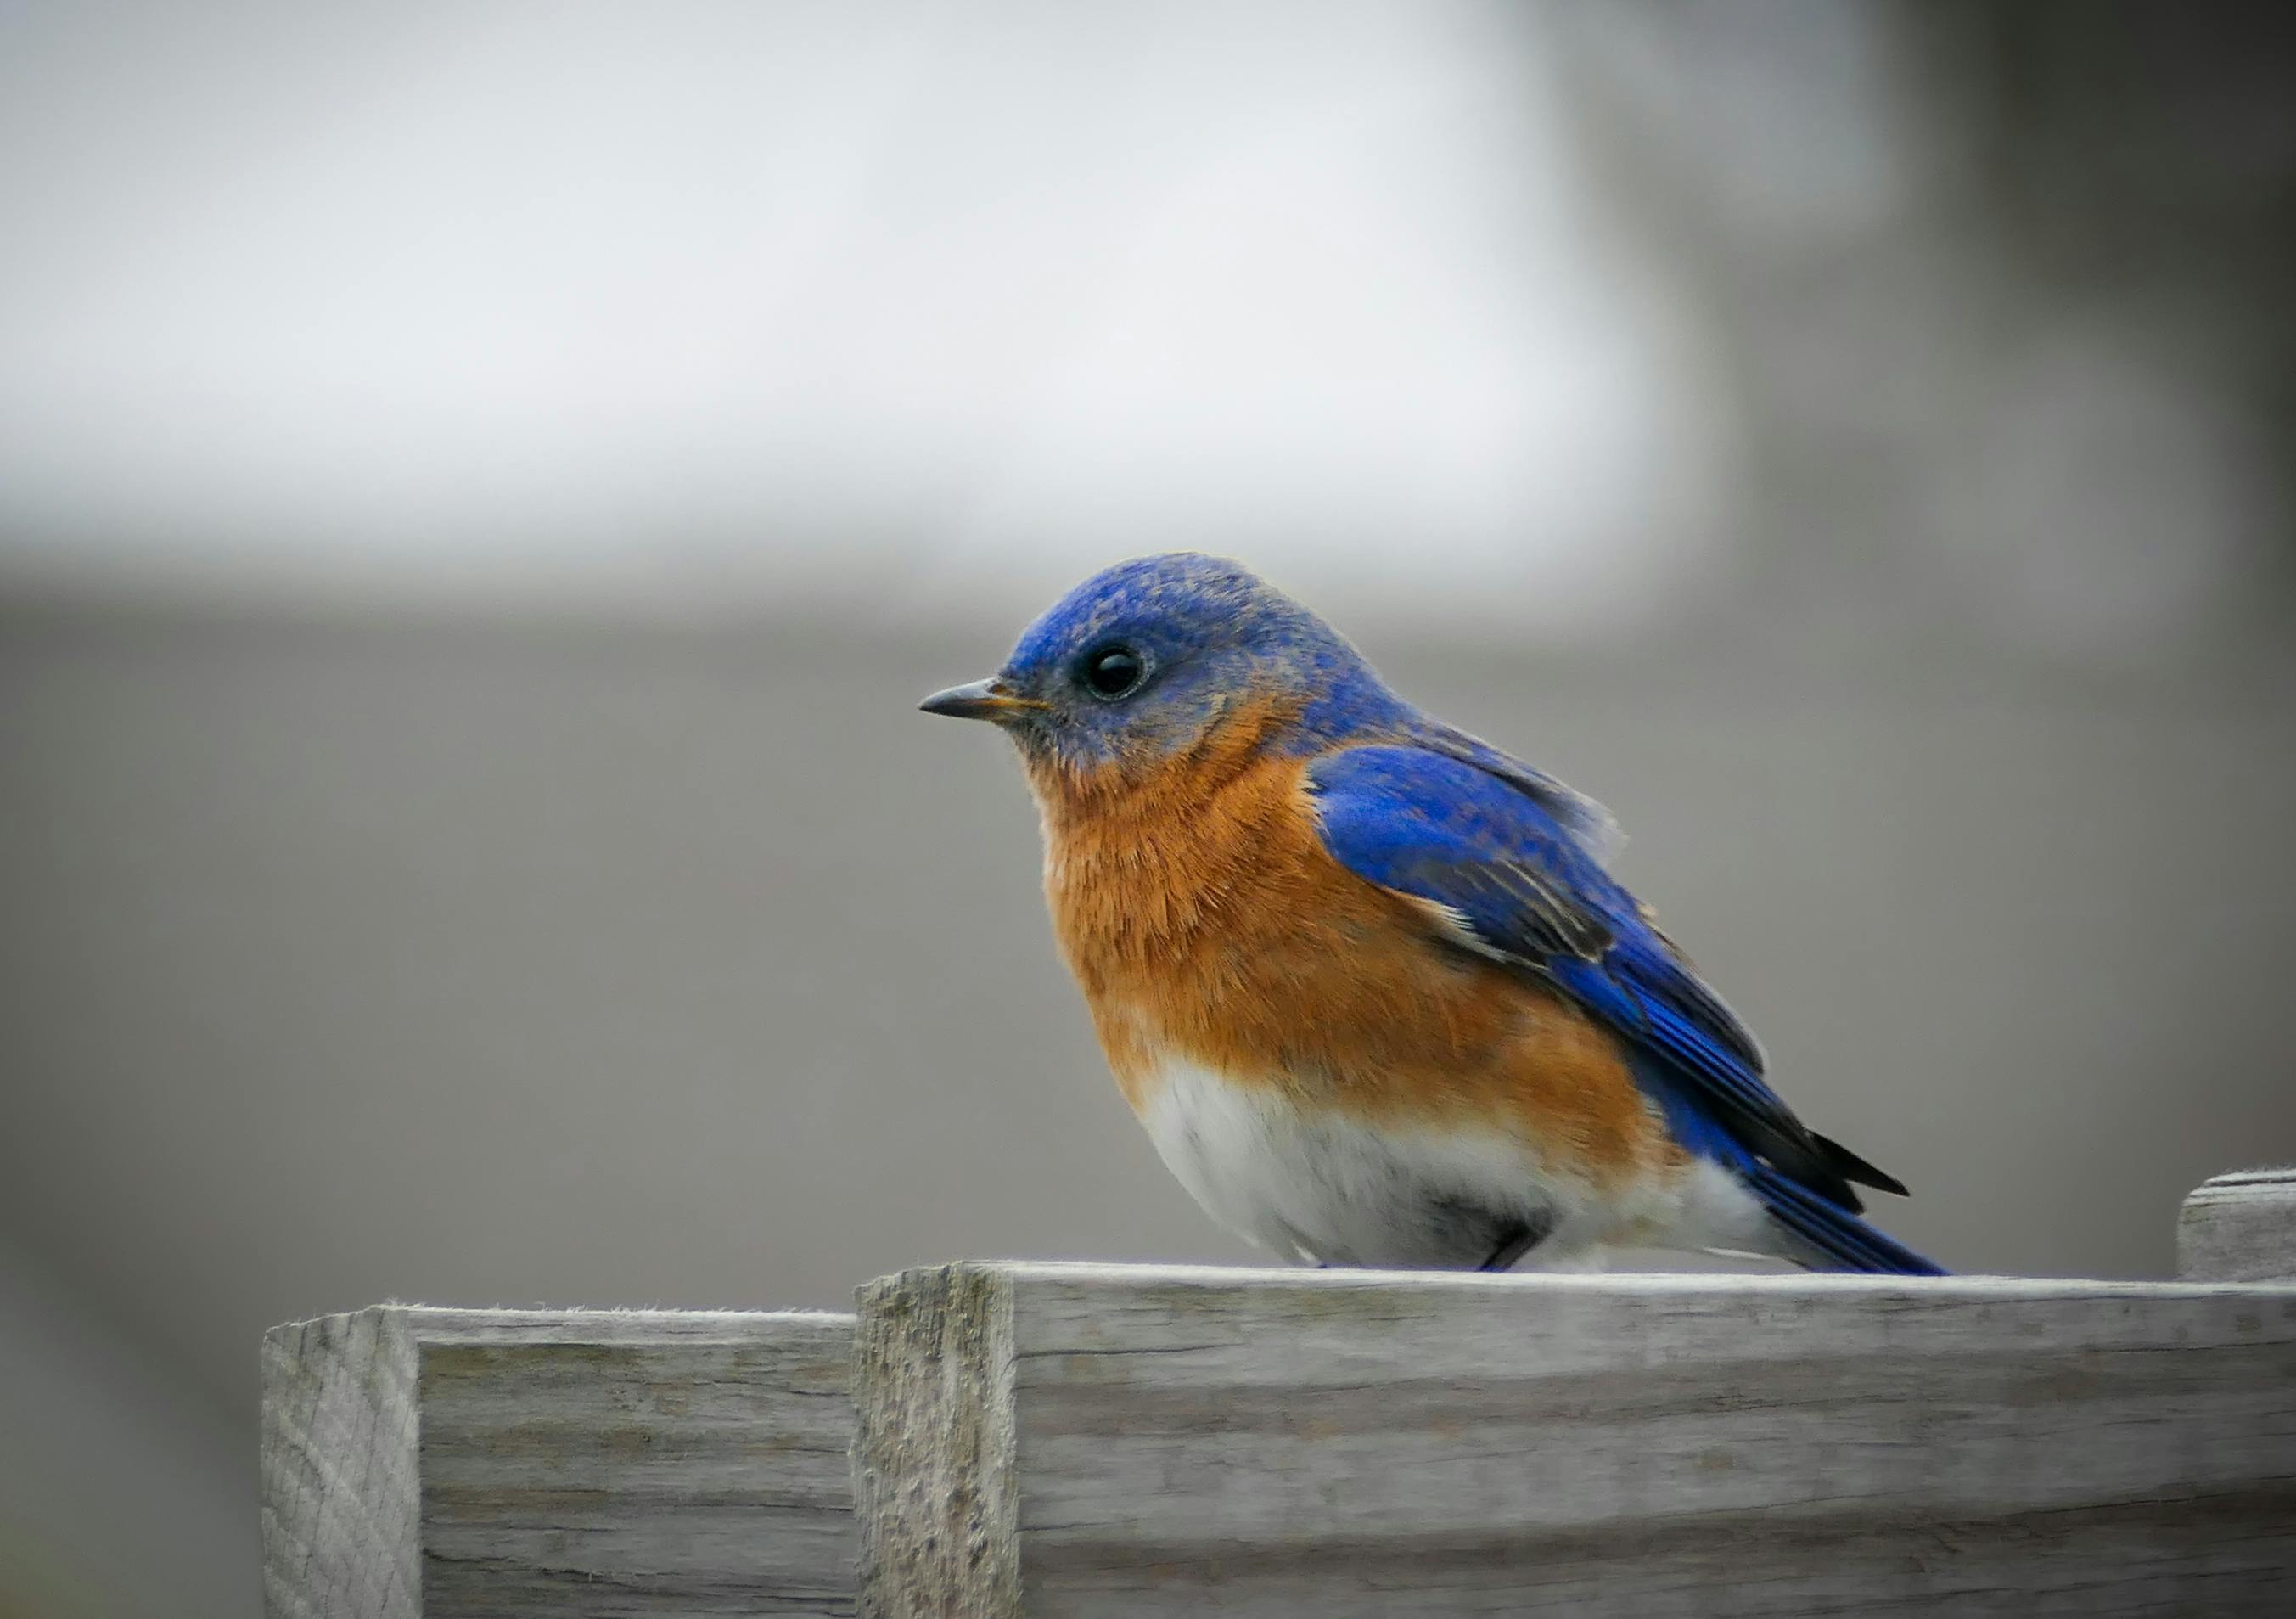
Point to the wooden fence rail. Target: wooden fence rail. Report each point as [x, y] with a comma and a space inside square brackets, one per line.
[1042, 1440]
[1058, 1440]
[426, 1462]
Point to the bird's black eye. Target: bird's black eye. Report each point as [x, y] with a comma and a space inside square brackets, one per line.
[1111, 672]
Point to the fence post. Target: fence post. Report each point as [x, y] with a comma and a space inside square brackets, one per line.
[2239, 1227]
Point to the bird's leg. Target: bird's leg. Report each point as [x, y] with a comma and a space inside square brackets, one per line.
[1516, 1239]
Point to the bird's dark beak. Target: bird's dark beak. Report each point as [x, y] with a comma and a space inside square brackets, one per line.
[982, 700]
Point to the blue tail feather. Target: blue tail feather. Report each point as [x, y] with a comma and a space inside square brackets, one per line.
[1833, 1230]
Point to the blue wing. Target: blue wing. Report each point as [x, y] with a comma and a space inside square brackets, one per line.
[1521, 880]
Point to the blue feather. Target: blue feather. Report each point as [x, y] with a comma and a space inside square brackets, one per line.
[1833, 1230]
[1521, 870]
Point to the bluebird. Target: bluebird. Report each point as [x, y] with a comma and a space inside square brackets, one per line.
[1365, 979]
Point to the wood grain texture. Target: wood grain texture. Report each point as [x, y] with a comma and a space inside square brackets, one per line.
[338, 1482]
[928, 1454]
[452, 1464]
[1071, 1439]
[2239, 1227]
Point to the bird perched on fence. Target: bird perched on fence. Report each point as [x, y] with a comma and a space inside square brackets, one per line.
[1364, 977]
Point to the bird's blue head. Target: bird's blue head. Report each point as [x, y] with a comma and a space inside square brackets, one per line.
[1143, 662]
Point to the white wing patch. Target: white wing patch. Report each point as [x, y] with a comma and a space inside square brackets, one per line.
[1452, 923]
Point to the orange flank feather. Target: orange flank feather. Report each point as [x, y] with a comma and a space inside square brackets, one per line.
[1205, 921]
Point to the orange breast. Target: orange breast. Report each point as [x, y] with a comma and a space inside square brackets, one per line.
[1205, 921]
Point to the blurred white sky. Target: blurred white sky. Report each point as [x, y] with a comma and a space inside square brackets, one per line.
[695, 302]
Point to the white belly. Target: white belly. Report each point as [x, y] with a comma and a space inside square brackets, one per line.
[1326, 1189]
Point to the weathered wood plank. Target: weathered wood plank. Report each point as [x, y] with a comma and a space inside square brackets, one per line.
[1069, 1440]
[2239, 1227]
[449, 1464]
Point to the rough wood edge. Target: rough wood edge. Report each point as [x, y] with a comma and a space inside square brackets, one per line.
[2281, 1174]
[934, 1390]
[1420, 1289]
[427, 1324]
[2239, 1227]
[339, 1494]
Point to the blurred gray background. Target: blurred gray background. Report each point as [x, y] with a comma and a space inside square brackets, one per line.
[482, 487]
